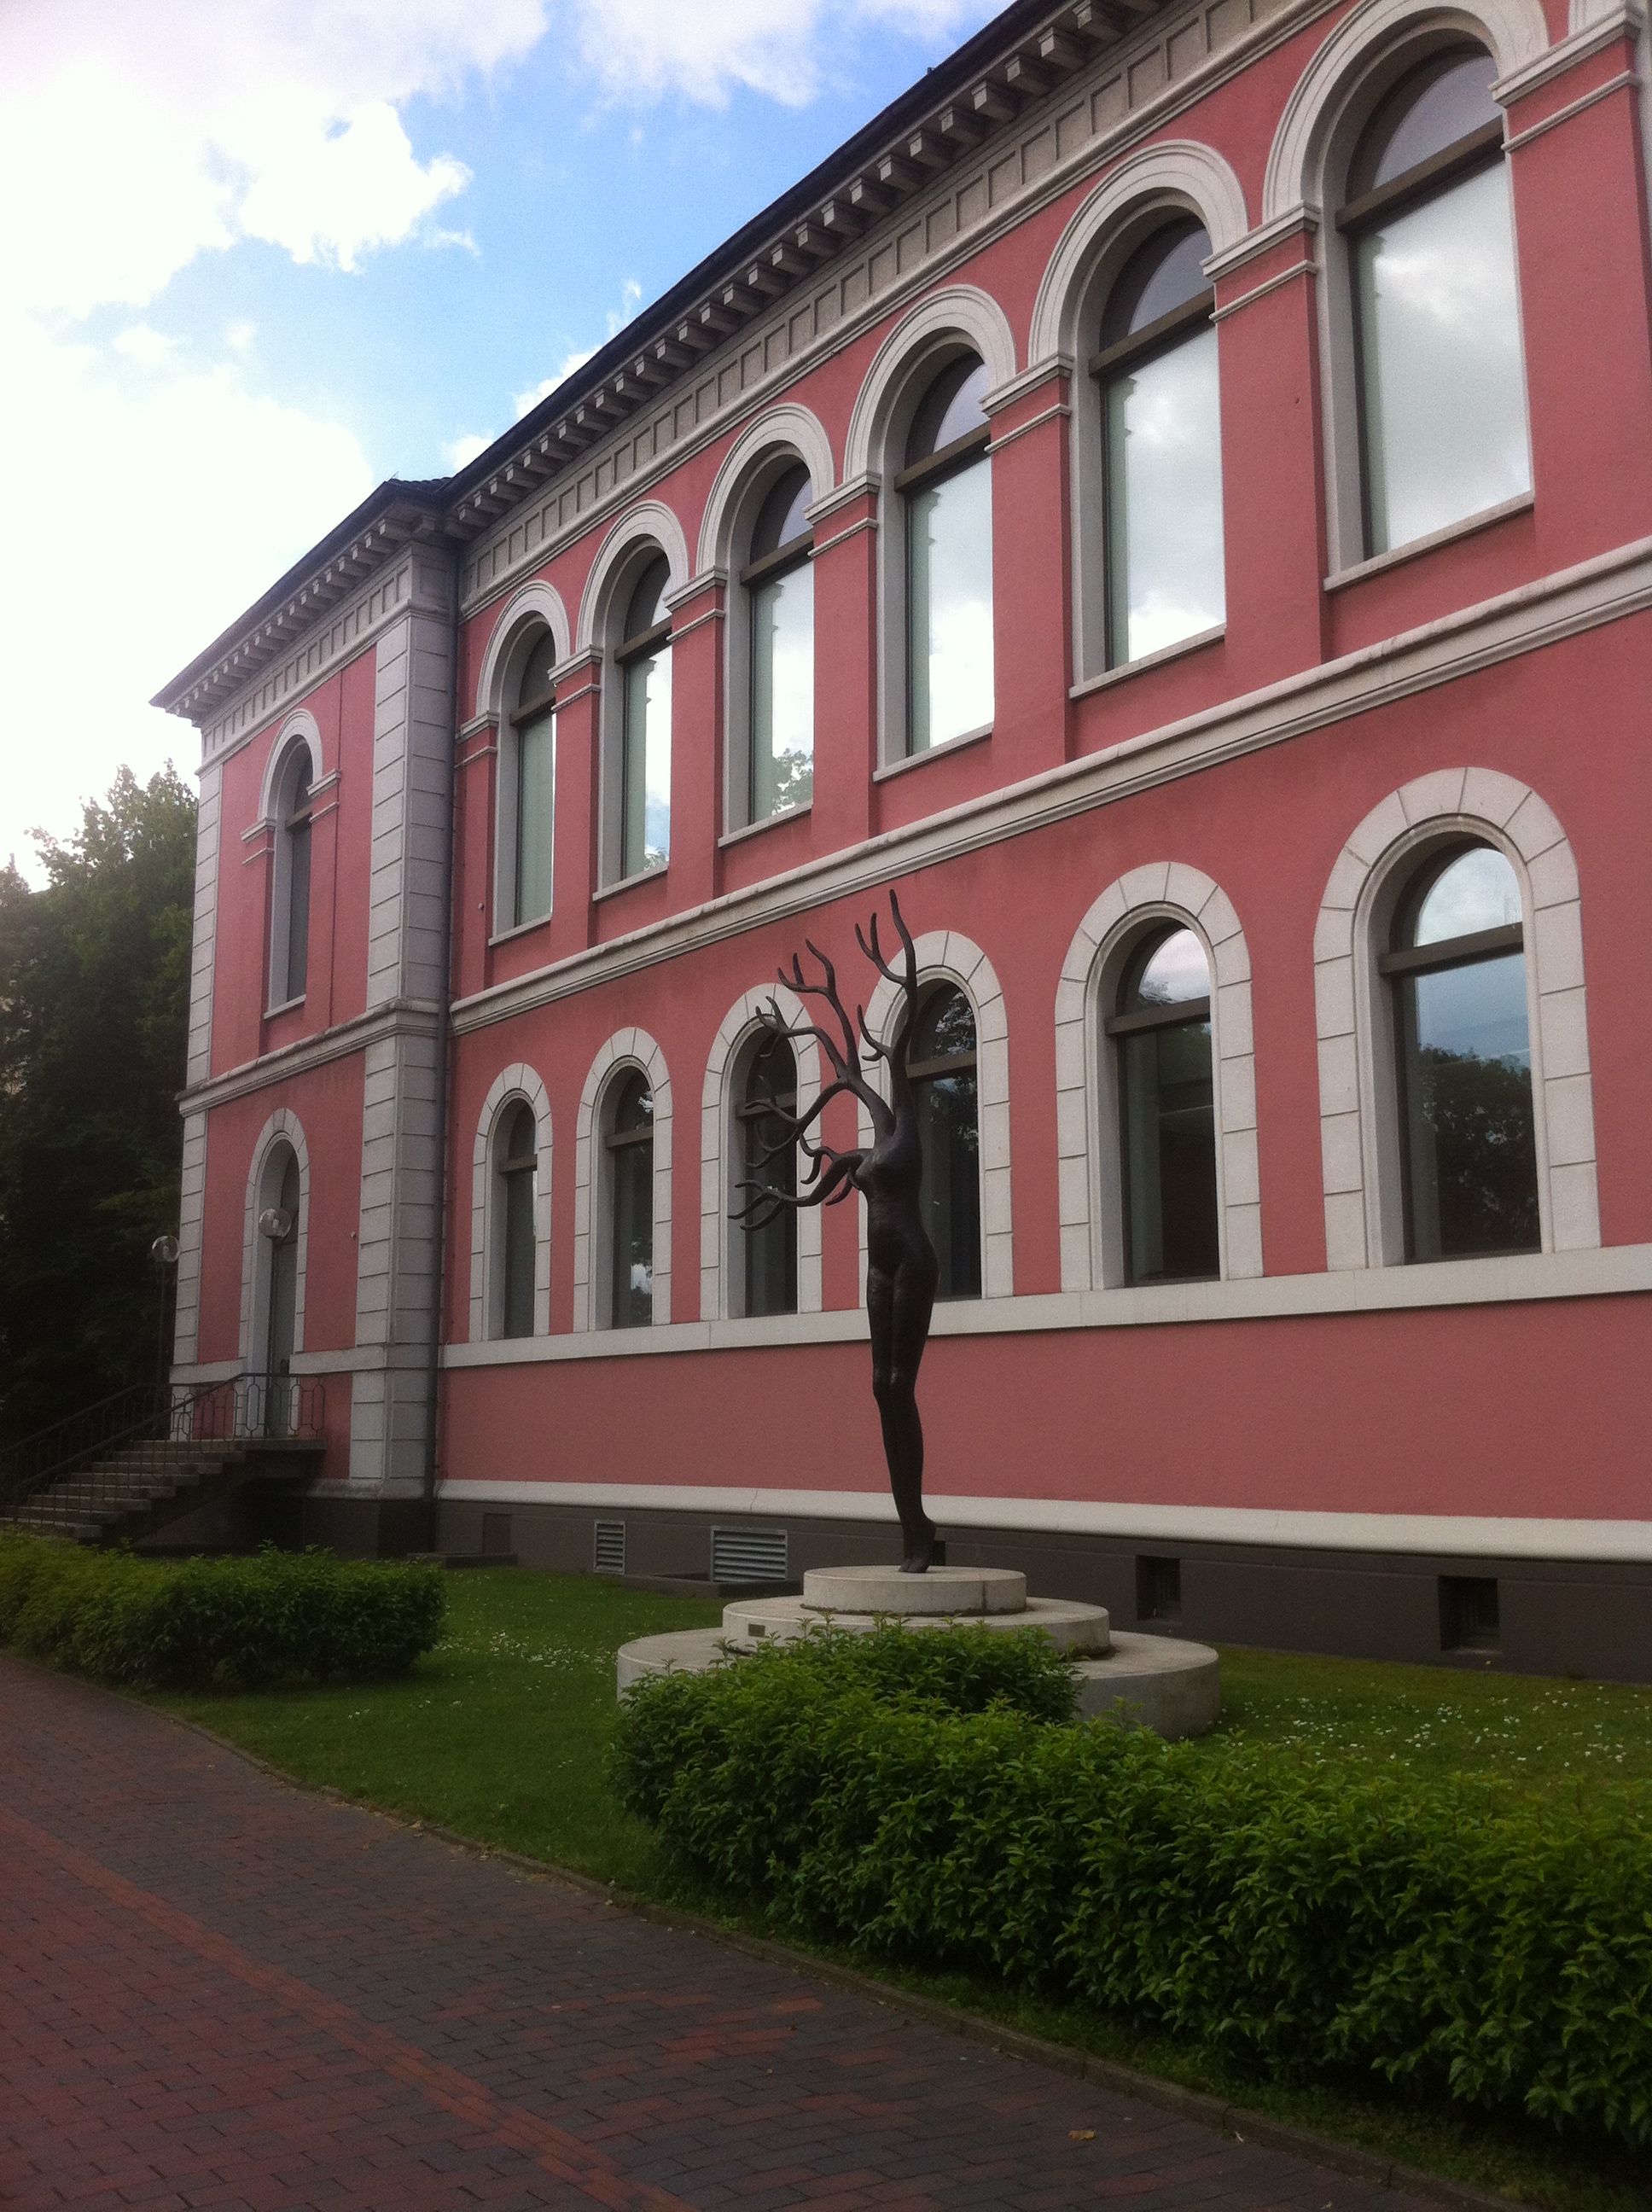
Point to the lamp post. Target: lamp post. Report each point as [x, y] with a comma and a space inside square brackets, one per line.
[164, 1253]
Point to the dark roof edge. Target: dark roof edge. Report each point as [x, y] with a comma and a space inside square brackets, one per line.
[426, 497]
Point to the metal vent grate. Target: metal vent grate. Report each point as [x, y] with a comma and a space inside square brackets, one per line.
[748, 1555]
[608, 1548]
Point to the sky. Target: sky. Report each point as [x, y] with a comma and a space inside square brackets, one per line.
[265, 253]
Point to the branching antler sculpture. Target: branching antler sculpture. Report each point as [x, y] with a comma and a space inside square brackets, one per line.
[902, 1269]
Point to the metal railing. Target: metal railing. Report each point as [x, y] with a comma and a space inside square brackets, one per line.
[106, 1450]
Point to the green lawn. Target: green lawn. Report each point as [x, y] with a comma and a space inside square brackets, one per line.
[501, 1734]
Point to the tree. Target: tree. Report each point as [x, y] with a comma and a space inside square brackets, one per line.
[94, 1013]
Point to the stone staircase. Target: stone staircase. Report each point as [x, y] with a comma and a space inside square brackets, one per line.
[133, 1493]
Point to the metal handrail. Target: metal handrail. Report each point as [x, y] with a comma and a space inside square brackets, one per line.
[239, 1408]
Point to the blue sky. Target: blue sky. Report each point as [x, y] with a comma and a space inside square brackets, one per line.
[309, 244]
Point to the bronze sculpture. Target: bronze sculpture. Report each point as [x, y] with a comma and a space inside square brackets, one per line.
[901, 1268]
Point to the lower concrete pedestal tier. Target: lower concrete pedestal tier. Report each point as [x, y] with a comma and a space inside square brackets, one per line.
[1155, 1683]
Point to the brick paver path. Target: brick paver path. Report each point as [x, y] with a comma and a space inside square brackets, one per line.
[218, 1991]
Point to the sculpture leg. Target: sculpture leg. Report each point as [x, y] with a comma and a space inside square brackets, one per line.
[898, 1311]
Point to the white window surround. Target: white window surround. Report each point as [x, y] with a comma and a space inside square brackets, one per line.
[1358, 1133]
[1176, 178]
[945, 955]
[626, 1049]
[1366, 52]
[298, 733]
[721, 1237]
[778, 439]
[645, 531]
[1086, 1105]
[958, 318]
[282, 1131]
[511, 1087]
[536, 608]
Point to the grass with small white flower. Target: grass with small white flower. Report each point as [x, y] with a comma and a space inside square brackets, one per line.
[500, 1735]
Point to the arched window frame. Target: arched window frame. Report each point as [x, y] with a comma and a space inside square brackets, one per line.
[592, 1258]
[1090, 1166]
[283, 1132]
[780, 439]
[513, 722]
[956, 320]
[1359, 1133]
[947, 957]
[639, 537]
[296, 752]
[537, 608]
[721, 1272]
[1367, 52]
[519, 1085]
[1175, 177]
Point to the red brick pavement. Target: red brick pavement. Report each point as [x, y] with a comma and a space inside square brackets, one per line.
[215, 1991]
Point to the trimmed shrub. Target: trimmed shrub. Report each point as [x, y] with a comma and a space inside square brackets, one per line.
[224, 1624]
[1491, 1950]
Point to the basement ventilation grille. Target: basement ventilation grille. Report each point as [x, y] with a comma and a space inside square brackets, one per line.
[608, 1548]
[748, 1555]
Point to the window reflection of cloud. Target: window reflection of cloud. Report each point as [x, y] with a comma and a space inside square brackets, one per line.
[1445, 393]
[1167, 520]
[1479, 890]
[657, 765]
[952, 581]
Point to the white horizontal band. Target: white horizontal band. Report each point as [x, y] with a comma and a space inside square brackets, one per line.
[1444, 1536]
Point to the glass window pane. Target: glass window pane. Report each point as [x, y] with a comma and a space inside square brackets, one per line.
[298, 906]
[1443, 385]
[1477, 890]
[536, 673]
[783, 693]
[1165, 273]
[647, 608]
[771, 1252]
[1173, 970]
[631, 1166]
[951, 409]
[1466, 1079]
[950, 1195]
[647, 767]
[1166, 574]
[949, 606]
[535, 753]
[1167, 1124]
[518, 1317]
[1445, 100]
[783, 515]
[946, 1026]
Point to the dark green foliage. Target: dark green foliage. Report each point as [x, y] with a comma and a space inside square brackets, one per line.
[94, 1004]
[1489, 1949]
[227, 1624]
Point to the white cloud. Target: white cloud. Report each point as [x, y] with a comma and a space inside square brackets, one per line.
[140, 342]
[135, 472]
[194, 125]
[459, 452]
[638, 52]
[630, 301]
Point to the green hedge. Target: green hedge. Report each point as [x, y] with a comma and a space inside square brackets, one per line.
[226, 1624]
[1490, 1949]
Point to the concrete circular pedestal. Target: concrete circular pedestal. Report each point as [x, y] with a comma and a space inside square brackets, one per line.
[942, 1590]
[1156, 1682]
[1069, 1625]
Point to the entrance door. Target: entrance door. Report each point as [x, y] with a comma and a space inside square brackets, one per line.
[283, 1308]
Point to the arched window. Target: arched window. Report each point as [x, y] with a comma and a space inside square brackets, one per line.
[769, 1079]
[1437, 317]
[289, 931]
[530, 780]
[644, 656]
[516, 1161]
[941, 1063]
[946, 487]
[1162, 433]
[630, 1145]
[1161, 1033]
[1468, 1147]
[280, 1194]
[780, 587]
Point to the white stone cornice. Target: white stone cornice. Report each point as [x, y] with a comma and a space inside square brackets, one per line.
[402, 1017]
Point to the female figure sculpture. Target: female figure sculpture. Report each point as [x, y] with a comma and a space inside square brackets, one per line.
[902, 1269]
